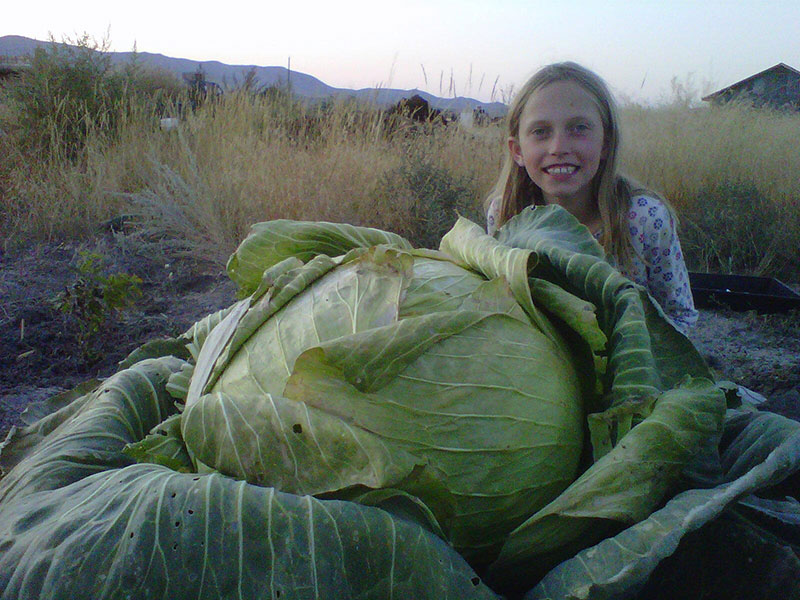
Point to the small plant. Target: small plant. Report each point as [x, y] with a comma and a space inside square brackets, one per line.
[94, 297]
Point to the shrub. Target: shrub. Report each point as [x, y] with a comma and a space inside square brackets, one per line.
[71, 90]
[68, 91]
[435, 197]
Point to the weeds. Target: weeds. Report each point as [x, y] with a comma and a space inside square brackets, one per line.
[93, 299]
[435, 198]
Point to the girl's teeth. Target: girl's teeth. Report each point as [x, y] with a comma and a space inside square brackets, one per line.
[561, 170]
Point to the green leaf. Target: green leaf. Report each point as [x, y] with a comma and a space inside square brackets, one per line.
[623, 486]
[297, 448]
[486, 402]
[77, 520]
[156, 349]
[163, 446]
[271, 242]
[623, 563]
[362, 293]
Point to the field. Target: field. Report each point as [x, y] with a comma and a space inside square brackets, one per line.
[92, 188]
[76, 157]
[86, 166]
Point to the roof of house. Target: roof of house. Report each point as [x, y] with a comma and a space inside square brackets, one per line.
[779, 66]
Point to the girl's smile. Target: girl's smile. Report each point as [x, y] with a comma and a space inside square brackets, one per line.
[560, 144]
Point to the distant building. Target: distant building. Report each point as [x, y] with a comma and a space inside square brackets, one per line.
[777, 87]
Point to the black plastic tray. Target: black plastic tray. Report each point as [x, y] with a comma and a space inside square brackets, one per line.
[742, 292]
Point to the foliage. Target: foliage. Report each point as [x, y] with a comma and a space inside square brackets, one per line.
[72, 91]
[269, 156]
[367, 407]
[94, 297]
[435, 196]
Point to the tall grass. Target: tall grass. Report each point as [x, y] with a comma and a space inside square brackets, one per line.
[246, 159]
[730, 173]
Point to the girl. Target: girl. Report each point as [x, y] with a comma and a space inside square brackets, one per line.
[563, 139]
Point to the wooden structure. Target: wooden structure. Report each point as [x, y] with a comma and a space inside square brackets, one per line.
[777, 87]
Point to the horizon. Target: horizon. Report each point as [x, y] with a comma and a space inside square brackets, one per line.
[448, 48]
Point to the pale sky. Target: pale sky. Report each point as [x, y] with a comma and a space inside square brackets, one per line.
[637, 46]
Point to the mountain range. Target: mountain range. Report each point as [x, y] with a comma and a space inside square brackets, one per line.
[227, 75]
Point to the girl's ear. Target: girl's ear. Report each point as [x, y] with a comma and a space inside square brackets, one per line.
[516, 151]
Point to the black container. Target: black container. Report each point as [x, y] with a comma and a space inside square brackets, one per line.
[742, 292]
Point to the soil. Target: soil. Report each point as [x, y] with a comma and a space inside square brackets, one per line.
[41, 355]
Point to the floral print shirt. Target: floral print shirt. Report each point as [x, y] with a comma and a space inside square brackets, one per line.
[658, 264]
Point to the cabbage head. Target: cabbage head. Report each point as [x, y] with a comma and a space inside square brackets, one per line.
[372, 420]
[388, 367]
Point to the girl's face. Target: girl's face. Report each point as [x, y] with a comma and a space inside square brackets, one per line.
[560, 143]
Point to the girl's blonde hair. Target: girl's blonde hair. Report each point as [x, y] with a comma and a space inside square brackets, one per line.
[612, 191]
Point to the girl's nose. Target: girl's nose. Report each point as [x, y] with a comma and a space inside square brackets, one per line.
[559, 143]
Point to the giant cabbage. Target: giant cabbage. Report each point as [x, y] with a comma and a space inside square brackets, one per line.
[372, 420]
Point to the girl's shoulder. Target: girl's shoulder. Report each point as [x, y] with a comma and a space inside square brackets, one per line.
[644, 201]
[647, 210]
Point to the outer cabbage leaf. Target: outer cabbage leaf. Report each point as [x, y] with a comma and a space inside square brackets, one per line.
[621, 564]
[78, 520]
[623, 486]
[41, 419]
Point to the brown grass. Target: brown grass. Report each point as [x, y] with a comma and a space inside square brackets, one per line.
[243, 160]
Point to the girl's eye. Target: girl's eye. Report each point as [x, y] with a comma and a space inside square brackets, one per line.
[539, 132]
[581, 128]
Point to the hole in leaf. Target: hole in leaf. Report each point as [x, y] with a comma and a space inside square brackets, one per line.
[297, 428]
[177, 523]
[475, 581]
[190, 511]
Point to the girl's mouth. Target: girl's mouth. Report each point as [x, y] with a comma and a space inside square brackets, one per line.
[561, 173]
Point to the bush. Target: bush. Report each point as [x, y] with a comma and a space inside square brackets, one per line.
[71, 90]
[435, 196]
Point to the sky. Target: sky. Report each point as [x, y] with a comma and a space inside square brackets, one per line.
[483, 49]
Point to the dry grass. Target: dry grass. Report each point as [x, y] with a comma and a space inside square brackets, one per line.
[243, 160]
[685, 151]
[731, 174]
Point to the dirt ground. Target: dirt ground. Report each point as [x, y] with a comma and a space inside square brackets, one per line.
[40, 354]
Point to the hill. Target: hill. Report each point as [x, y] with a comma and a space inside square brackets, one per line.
[228, 76]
